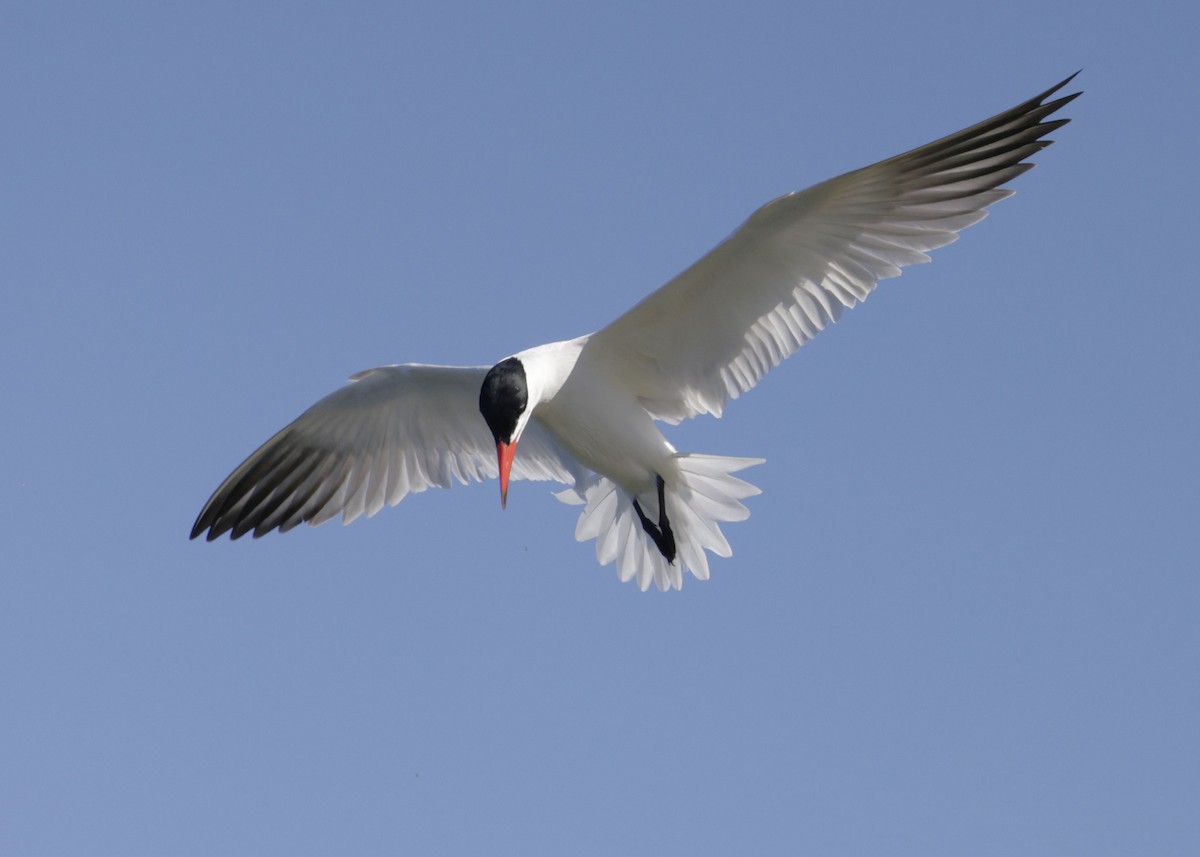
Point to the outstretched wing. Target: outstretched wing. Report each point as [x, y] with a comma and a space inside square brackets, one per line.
[712, 332]
[393, 431]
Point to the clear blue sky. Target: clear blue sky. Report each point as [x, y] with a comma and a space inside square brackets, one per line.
[962, 618]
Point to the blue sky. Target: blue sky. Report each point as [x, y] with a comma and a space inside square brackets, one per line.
[961, 619]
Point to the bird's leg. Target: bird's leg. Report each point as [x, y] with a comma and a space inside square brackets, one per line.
[661, 534]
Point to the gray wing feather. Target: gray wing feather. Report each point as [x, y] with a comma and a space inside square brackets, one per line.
[393, 431]
[792, 268]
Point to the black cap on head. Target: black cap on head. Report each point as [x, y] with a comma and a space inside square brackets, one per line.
[503, 398]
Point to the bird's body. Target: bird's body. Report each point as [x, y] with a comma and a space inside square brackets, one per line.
[598, 422]
[585, 411]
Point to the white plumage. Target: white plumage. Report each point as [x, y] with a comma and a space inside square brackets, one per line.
[584, 410]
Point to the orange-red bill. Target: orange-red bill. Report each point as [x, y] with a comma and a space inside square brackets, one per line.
[505, 453]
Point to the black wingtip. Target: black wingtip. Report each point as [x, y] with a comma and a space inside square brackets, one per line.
[1066, 99]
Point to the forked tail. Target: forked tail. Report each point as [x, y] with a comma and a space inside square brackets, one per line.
[702, 496]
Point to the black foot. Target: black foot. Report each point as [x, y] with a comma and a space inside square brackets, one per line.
[663, 538]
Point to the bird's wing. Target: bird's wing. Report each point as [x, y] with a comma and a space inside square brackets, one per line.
[712, 332]
[393, 431]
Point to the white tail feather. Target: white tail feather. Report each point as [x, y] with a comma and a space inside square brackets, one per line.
[704, 495]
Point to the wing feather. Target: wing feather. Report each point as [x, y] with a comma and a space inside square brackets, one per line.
[789, 271]
[392, 431]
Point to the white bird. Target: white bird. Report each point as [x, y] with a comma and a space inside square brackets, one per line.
[584, 410]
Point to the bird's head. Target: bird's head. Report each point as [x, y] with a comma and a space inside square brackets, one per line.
[504, 403]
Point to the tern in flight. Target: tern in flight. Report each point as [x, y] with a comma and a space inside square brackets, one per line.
[583, 411]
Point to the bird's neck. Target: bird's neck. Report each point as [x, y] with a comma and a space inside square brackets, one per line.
[547, 367]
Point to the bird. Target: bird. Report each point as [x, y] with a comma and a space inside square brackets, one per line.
[586, 412]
